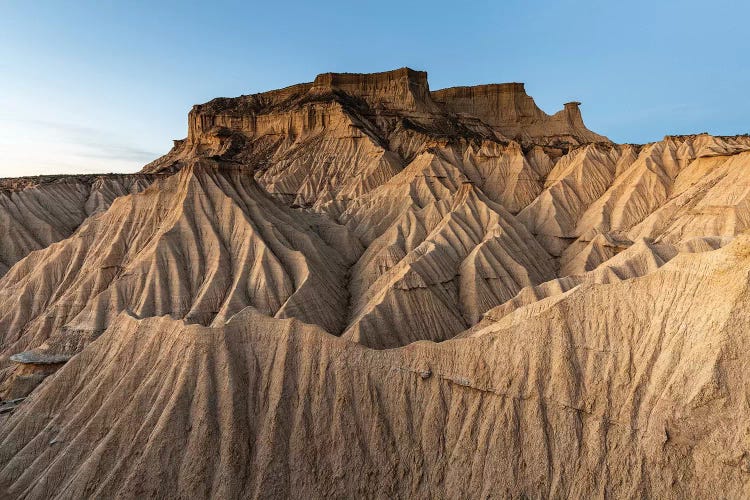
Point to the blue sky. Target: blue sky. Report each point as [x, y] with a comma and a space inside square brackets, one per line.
[105, 86]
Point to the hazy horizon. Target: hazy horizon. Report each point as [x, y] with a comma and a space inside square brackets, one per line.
[106, 88]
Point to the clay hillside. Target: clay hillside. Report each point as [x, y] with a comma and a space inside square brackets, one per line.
[361, 287]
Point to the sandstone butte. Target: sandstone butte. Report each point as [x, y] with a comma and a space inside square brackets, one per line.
[359, 287]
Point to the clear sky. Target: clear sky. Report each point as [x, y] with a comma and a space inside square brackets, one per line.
[101, 86]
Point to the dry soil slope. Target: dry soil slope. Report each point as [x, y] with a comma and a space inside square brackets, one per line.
[200, 245]
[643, 398]
[35, 213]
[679, 188]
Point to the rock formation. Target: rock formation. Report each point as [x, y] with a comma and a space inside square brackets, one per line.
[36, 212]
[359, 287]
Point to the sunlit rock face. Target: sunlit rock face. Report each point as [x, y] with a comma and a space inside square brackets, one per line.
[361, 287]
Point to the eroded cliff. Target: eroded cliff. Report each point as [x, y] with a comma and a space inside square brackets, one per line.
[362, 287]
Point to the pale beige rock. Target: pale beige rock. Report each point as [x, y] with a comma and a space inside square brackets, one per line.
[359, 287]
[642, 399]
[508, 107]
[36, 212]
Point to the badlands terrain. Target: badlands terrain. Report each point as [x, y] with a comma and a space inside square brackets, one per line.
[360, 287]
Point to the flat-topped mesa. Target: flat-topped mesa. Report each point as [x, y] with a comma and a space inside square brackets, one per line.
[285, 111]
[503, 105]
[403, 89]
[507, 107]
[240, 113]
[354, 105]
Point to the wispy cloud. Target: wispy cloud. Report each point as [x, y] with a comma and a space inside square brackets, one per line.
[92, 142]
[31, 146]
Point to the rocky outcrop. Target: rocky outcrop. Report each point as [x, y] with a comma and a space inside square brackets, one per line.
[358, 287]
[403, 89]
[508, 108]
[310, 144]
